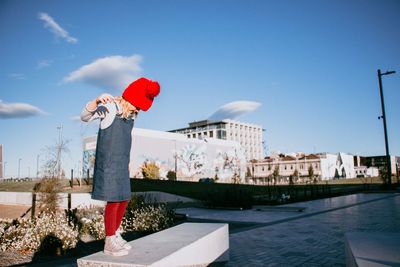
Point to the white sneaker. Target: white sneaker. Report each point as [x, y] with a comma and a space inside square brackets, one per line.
[122, 242]
[113, 248]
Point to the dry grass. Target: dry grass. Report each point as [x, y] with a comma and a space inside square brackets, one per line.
[28, 186]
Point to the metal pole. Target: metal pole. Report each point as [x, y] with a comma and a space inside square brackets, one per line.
[389, 167]
[19, 167]
[176, 162]
[72, 178]
[60, 128]
[37, 166]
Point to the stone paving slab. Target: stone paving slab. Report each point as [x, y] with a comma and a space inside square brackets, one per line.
[315, 240]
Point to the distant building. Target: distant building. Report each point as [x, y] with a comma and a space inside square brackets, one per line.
[192, 159]
[378, 162]
[249, 136]
[324, 166]
[364, 171]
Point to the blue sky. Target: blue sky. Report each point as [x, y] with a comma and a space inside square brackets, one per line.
[307, 69]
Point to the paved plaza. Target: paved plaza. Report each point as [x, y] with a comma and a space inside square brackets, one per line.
[287, 237]
[314, 237]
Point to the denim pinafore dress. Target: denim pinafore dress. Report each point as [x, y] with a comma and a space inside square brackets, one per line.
[111, 174]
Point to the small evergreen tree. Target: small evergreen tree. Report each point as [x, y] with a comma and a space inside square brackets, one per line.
[150, 170]
[171, 175]
[311, 173]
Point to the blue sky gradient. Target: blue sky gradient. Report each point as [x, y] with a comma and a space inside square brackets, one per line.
[310, 67]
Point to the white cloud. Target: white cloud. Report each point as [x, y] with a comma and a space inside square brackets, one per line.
[75, 118]
[55, 28]
[18, 110]
[44, 63]
[17, 76]
[114, 72]
[234, 109]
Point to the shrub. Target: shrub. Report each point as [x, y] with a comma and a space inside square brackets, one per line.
[151, 218]
[147, 216]
[48, 189]
[51, 245]
[171, 175]
[28, 234]
[93, 227]
[150, 170]
[88, 221]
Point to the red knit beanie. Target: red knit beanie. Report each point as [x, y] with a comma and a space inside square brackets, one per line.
[141, 93]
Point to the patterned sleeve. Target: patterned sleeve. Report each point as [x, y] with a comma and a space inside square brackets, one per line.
[90, 115]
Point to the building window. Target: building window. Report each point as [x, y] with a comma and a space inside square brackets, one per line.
[211, 134]
[221, 134]
[188, 135]
[194, 135]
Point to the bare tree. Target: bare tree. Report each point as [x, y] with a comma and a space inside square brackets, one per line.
[53, 164]
[275, 174]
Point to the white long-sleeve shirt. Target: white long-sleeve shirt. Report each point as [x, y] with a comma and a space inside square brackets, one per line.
[105, 112]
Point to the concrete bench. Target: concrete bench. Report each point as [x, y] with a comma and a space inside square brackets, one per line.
[187, 244]
[372, 249]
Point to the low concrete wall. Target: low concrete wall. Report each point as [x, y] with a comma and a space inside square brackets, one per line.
[187, 244]
[372, 249]
[16, 198]
[25, 198]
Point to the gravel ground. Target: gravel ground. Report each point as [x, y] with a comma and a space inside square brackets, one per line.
[10, 258]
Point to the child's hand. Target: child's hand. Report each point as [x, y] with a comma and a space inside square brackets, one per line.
[102, 111]
[104, 98]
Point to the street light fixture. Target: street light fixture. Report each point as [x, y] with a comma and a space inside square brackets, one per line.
[389, 167]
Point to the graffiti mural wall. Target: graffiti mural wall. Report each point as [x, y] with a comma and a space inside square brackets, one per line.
[192, 159]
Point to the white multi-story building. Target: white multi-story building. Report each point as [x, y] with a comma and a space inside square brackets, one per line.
[249, 136]
[324, 166]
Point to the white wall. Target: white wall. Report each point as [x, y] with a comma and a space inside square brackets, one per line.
[194, 158]
[331, 164]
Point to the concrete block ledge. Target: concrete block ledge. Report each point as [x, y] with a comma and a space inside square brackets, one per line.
[187, 244]
[372, 249]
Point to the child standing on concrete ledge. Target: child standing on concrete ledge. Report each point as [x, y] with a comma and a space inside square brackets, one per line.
[111, 170]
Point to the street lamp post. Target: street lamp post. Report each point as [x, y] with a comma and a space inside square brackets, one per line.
[19, 167]
[176, 161]
[37, 166]
[59, 150]
[389, 167]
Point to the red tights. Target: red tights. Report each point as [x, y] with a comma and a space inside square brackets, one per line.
[113, 214]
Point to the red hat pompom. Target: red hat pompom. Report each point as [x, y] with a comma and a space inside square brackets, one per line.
[141, 93]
